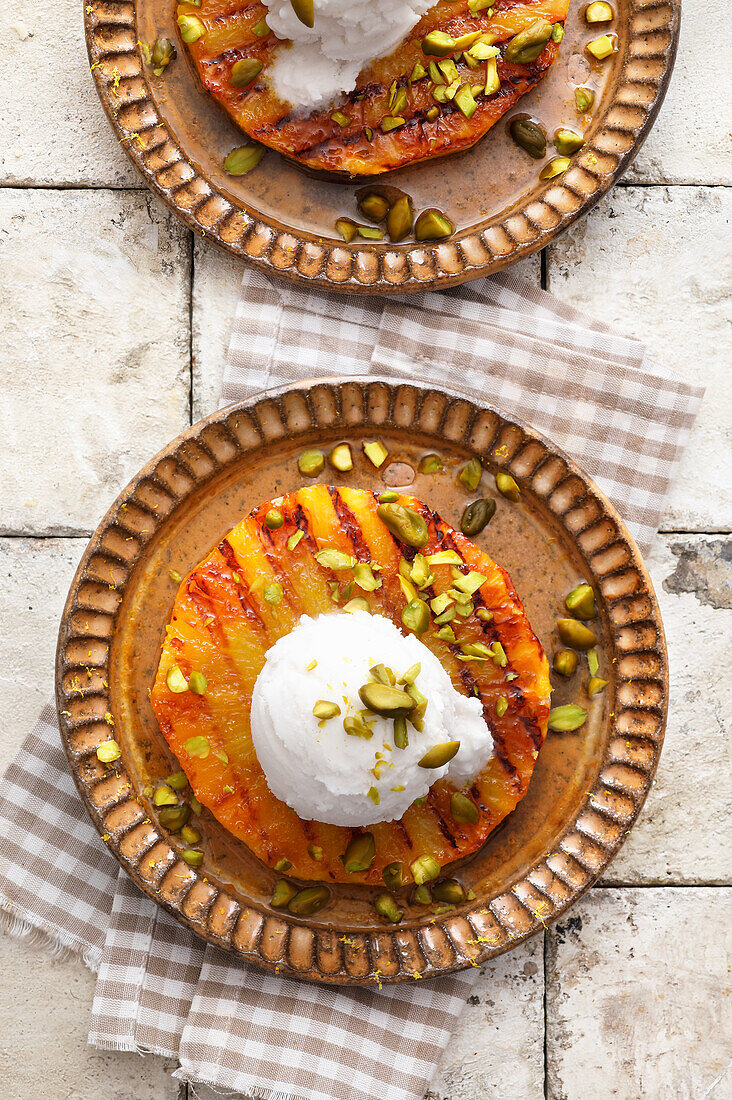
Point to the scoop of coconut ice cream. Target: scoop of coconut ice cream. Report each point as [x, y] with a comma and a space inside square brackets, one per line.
[327, 774]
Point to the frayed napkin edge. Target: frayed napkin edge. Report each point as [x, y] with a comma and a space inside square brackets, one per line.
[19, 924]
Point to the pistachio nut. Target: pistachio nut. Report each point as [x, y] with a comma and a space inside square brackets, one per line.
[565, 662]
[432, 114]
[449, 890]
[391, 122]
[470, 474]
[163, 52]
[383, 674]
[386, 700]
[305, 11]
[433, 225]
[375, 452]
[554, 168]
[424, 869]
[501, 706]
[346, 228]
[567, 141]
[576, 634]
[528, 44]
[273, 519]
[601, 47]
[416, 616]
[465, 100]
[595, 685]
[584, 99]
[393, 875]
[430, 464]
[243, 160]
[567, 718]
[388, 497]
[358, 603]
[315, 852]
[178, 781]
[325, 709]
[417, 715]
[176, 681]
[309, 901]
[386, 906]
[439, 755]
[581, 602]
[197, 682]
[191, 28]
[507, 487]
[311, 463]
[399, 219]
[529, 136]
[244, 71]
[192, 856]
[422, 895]
[174, 818]
[355, 725]
[340, 119]
[438, 44]
[189, 835]
[477, 516]
[463, 809]
[374, 207]
[282, 894]
[405, 524]
[359, 854]
[599, 12]
[340, 458]
[401, 737]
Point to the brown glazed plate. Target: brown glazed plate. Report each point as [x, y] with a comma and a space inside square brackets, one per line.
[588, 786]
[284, 220]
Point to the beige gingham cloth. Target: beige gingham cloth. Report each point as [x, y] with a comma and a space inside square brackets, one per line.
[160, 989]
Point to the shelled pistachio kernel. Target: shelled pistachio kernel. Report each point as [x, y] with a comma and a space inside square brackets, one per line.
[477, 516]
[191, 28]
[602, 47]
[261, 29]
[309, 901]
[375, 452]
[197, 682]
[163, 52]
[391, 122]
[386, 906]
[565, 662]
[433, 225]
[370, 232]
[173, 818]
[422, 895]
[529, 43]
[430, 464]
[325, 709]
[294, 539]
[400, 218]
[178, 781]
[405, 523]
[595, 685]
[501, 706]
[449, 890]
[244, 71]
[196, 807]
[439, 755]
[175, 576]
[581, 602]
[341, 458]
[176, 681]
[315, 852]
[282, 865]
[242, 160]
[305, 11]
[273, 519]
[359, 854]
[484, 614]
[347, 229]
[192, 856]
[164, 796]
[567, 718]
[432, 114]
[529, 136]
[311, 463]
[416, 616]
[189, 835]
[424, 869]
[554, 168]
[463, 809]
[599, 12]
[507, 487]
[584, 99]
[470, 474]
[393, 875]
[438, 44]
[282, 894]
[567, 142]
[576, 634]
[401, 736]
[557, 32]
[109, 751]
[340, 119]
[373, 206]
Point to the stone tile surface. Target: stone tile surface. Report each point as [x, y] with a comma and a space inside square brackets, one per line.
[95, 371]
[638, 996]
[684, 833]
[655, 263]
[35, 575]
[216, 279]
[689, 142]
[45, 1007]
[53, 129]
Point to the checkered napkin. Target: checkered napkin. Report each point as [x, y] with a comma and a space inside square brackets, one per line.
[159, 988]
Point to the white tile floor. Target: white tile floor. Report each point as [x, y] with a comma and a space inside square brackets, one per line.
[114, 332]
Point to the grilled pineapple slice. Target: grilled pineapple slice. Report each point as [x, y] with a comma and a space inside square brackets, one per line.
[350, 137]
[224, 621]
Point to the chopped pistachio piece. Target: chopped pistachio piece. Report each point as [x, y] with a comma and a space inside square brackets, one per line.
[484, 614]
[469, 583]
[294, 539]
[175, 576]
[391, 122]
[422, 895]
[340, 119]
[418, 73]
[192, 856]
[554, 168]
[449, 890]
[401, 737]
[528, 44]
[581, 602]
[595, 685]
[109, 751]
[470, 474]
[507, 487]
[386, 906]
[430, 464]
[386, 700]
[364, 577]
[567, 718]
[261, 29]
[273, 519]
[416, 717]
[356, 726]
[376, 452]
[315, 852]
[198, 747]
[400, 218]
[444, 557]
[393, 875]
[501, 706]
[593, 662]
[602, 47]
[374, 795]
[282, 894]
[557, 32]
[565, 662]
[567, 141]
[196, 807]
[191, 28]
[190, 835]
[599, 12]
[405, 523]
[359, 854]
[334, 559]
[164, 795]
[446, 634]
[310, 900]
[311, 463]
[499, 655]
[492, 79]
[411, 674]
[438, 44]
[477, 649]
[358, 603]
[432, 114]
[447, 616]
[416, 616]
[388, 497]
[465, 100]
[448, 68]
[463, 809]
[176, 681]
[433, 225]
[197, 682]
[584, 99]
[178, 781]
[282, 865]
[174, 817]
[325, 709]
[347, 229]
[305, 11]
[576, 634]
[340, 458]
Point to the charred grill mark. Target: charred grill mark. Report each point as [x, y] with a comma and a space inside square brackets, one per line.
[300, 520]
[350, 525]
[227, 553]
[401, 828]
[499, 744]
[531, 727]
[441, 823]
[474, 790]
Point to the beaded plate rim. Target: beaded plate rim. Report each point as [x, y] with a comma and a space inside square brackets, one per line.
[496, 923]
[125, 92]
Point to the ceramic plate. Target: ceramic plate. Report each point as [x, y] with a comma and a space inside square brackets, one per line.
[283, 220]
[587, 787]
